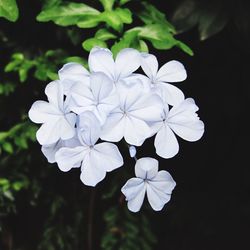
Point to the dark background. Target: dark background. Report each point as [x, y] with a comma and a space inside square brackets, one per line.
[210, 206]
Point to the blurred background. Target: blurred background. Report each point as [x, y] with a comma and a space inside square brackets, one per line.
[44, 208]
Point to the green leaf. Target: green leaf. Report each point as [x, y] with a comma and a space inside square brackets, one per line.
[107, 4]
[122, 2]
[89, 22]
[143, 46]
[126, 41]
[104, 35]
[125, 15]
[9, 10]
[112, 19]
[185, 48]
[68, 14]
[92, 42]
[158, 35]
[8, 147]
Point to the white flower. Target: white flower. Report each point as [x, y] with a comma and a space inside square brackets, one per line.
[72, 73]
[57, 120]
[94, 159]
[172, 71]
[181, 120]
[127, 61]
[157, 185]
[99, 97]
[132, 118]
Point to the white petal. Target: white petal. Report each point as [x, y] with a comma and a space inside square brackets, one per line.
[49, 151]
[159, 190]
[171, 94]
[136, 131]
[149, 65]
[148, 108]
[157, 198]
[172, 71]
[67, 129]
[107, 156]
[92, 173]
[89, 128]
[134, 190]
[113, 129]
[163, 181]
[184, 121]
[127, 61]
[71, 73]
[49, 132]
[101, 85]
[146, 168]
[42, 111]
[54, 92]
[166, 143]
[68, 158]
[101, 60]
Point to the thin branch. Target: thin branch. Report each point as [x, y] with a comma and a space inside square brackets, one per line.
[90, 219]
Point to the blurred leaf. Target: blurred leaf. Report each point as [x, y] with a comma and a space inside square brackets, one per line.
[122, 2]
[68, 14]
[9, 10]
[107, 4]
[211, 22]
[92, 42]
[8, 147]
[151, 15]
[186, 15]
[104, 35]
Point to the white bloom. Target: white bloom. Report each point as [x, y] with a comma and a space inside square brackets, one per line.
[95, 159]
[132, 118]
[72, 73]
[57, 120]
[157, 185]
[99, 97]
[181, 120]
[126, 62]
[172, 71]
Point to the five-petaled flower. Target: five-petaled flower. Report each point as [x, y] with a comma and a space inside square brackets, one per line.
[157, 185]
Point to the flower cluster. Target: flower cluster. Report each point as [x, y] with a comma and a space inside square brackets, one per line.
[87, 111]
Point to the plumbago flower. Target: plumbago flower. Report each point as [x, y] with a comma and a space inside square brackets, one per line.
[112, 101]
[157, 185]
[172, 71]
